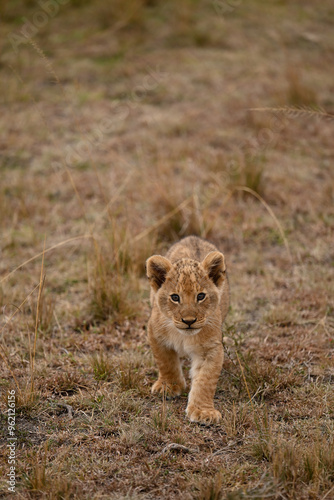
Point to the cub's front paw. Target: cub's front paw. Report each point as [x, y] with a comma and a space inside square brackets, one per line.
[203, 416]
[171, 388]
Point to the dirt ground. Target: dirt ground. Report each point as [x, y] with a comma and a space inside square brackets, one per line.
[126, 125]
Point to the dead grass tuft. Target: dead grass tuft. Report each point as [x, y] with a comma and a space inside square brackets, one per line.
[63, 383]
[248, 172]
[46, 319]
[295, 465]
[40, 482]
[102, 366]
[113, 280]
[263, 379]
[211, 488]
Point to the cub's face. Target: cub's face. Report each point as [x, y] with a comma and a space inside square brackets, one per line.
[188, 292]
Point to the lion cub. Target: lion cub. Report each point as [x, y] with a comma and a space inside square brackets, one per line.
[190, 299]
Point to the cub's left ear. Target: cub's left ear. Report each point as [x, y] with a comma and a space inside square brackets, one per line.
[214, 264]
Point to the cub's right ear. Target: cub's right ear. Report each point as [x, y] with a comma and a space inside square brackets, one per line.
[157, 268]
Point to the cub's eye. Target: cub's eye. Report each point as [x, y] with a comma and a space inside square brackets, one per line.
[200, 296]
[175, 297]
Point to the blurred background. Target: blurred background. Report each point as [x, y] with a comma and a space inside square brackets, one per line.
[145, 119]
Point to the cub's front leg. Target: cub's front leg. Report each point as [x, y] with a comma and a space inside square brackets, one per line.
[170, 371]
[205, 372]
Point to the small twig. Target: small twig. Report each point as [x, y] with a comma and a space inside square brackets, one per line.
[296, 111]
[328, 492]
[176, 446]
[69, 408]
[47, 63]
[218, 452]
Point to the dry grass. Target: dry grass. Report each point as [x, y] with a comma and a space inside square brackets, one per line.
[125, 127]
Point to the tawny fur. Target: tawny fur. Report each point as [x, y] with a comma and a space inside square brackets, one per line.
[190, 326]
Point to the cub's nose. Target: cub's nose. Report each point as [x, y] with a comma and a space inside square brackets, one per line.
[189, 322]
